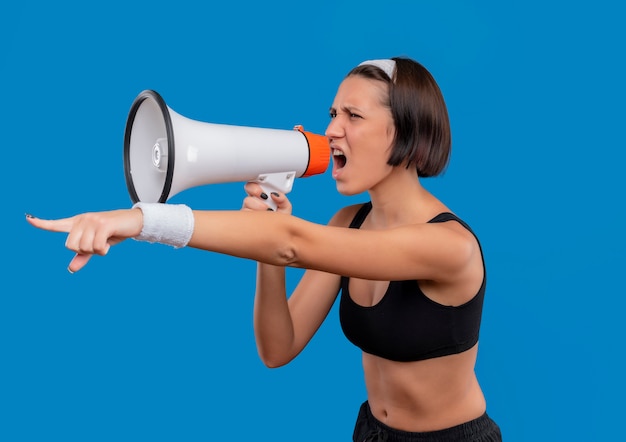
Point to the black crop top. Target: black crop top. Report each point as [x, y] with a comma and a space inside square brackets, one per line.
[406, 325]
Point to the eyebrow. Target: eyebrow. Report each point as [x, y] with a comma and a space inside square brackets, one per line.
[349, 109]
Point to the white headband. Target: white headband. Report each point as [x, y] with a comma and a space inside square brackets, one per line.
[388, 66]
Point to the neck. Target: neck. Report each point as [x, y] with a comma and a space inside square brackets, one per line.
[401, 199]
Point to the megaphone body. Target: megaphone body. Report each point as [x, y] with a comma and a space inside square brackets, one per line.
[166, 153]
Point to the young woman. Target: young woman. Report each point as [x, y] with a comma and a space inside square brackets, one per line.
[411, 273]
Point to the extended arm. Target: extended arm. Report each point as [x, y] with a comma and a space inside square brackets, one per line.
[420, 251]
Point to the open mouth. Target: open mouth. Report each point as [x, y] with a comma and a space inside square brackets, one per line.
[339, 158]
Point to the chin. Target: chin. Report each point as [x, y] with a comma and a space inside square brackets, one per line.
[345, 190]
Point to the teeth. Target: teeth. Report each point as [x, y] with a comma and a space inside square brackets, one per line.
[337, 152]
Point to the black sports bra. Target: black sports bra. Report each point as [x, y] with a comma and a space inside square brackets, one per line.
[406, 325]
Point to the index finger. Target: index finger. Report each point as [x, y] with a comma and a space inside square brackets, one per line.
[52, 225]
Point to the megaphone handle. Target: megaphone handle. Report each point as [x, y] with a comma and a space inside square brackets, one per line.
[275, 182]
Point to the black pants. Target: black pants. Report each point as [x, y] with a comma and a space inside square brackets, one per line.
[370, 429]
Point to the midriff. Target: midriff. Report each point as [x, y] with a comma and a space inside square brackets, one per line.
[427, 395]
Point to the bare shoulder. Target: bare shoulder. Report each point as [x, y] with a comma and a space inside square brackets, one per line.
[345, 215]
[463, 230]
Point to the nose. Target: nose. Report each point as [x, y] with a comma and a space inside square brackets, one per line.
[334, 129]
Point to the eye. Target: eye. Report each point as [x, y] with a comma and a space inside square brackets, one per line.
[353, 115]
[332, 114]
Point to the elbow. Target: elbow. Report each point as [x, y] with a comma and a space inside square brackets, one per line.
[273, 361]
[290, 242]
[273, 355]
[287, 256]
[273, 364]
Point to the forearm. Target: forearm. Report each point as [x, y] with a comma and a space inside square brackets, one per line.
[273, 325]
[261, 236]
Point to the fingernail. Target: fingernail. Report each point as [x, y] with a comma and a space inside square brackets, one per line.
[28, 215]
[275, 194]
[70, 270]
[264, 195]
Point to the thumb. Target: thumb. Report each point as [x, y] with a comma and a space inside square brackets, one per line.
[78, 262]
[282, 202]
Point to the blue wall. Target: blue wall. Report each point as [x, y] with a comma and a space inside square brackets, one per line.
[152, 343]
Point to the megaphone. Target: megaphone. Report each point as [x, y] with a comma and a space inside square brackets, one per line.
[166, 153]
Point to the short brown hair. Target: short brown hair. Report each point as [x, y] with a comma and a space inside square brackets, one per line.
[423, 139]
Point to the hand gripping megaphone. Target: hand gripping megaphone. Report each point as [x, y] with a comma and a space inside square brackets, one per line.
[166, 153]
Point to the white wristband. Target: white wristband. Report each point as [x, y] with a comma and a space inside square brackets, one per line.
[170, 224]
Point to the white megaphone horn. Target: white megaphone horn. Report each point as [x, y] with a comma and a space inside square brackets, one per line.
[166, 153]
